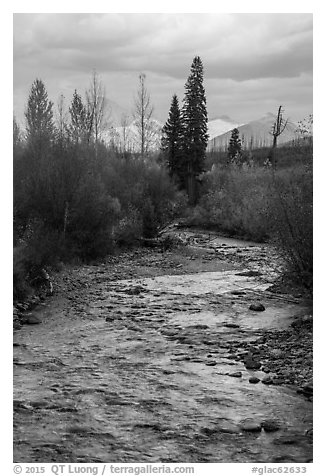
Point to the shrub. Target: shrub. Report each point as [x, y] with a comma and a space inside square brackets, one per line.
[129, 229]
[93, 213]
[292, 221]
[234, 201]
[21, 289]
[147, 196]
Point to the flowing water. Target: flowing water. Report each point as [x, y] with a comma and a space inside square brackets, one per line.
[137, 370]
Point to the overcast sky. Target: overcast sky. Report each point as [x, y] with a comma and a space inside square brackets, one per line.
[252, 62]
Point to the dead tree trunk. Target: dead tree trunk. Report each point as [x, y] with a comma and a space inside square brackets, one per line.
[278, 128]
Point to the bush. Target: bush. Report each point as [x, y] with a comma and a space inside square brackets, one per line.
[129, 229]
[162, 201]
[292, 221]
[21, 289]
[91, 218]
[147, 196]
[235, 202]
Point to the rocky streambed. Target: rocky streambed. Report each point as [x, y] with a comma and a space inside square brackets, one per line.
[183, 355]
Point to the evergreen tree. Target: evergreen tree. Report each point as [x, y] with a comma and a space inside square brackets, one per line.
[235, 147]
[39, 118]
[171, 143]
[195, 137]
[39, 166]
[40, 138]
[78, 119]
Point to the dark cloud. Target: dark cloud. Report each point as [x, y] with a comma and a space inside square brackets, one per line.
[237, 49]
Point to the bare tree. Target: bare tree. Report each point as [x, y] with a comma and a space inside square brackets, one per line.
[277, 129]
[143, 116]
[96, 108]
[125, 133]
[61, 117]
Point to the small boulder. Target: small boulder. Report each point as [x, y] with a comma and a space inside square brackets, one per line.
[267, 380]
[228, 427]
[254, 380]
[238, 293]
[250, 425]
[109, 319]
[307, 389]
[236, 374]
[278, 381]
[271, 425]
[250, 274]
[211, 363]
[257, 306]
[32, 320]
[251, 364]
[287, 438]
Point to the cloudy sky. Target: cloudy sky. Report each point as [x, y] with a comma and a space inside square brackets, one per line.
[253, 62]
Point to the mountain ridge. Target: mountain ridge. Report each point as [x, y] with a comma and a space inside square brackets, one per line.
[254, 134]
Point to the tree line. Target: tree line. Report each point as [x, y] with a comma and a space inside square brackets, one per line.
[77, 196]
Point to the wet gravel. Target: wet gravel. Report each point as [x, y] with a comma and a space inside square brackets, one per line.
[158, 357]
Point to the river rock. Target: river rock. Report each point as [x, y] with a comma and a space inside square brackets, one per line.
[260, 340]
[208, 431]
[238, 293]
[135, 291]
[250, 425]
[254, 380]
[250, 274]
[251, 364]
[278, 381]
[236, 374]
[271, 425]
[32, 320]
[307, 389]
[109, 319]
[228, 427]
[170, 332]
[211, 363]
[288, 439]
[257, 306]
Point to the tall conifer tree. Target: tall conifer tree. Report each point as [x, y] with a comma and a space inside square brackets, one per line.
[195, 136]
[235, 146]
[171, 144]
[39, 118]
[79, 127]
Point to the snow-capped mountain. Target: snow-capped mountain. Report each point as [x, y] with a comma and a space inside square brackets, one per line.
[220, 125]
[255, 134]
